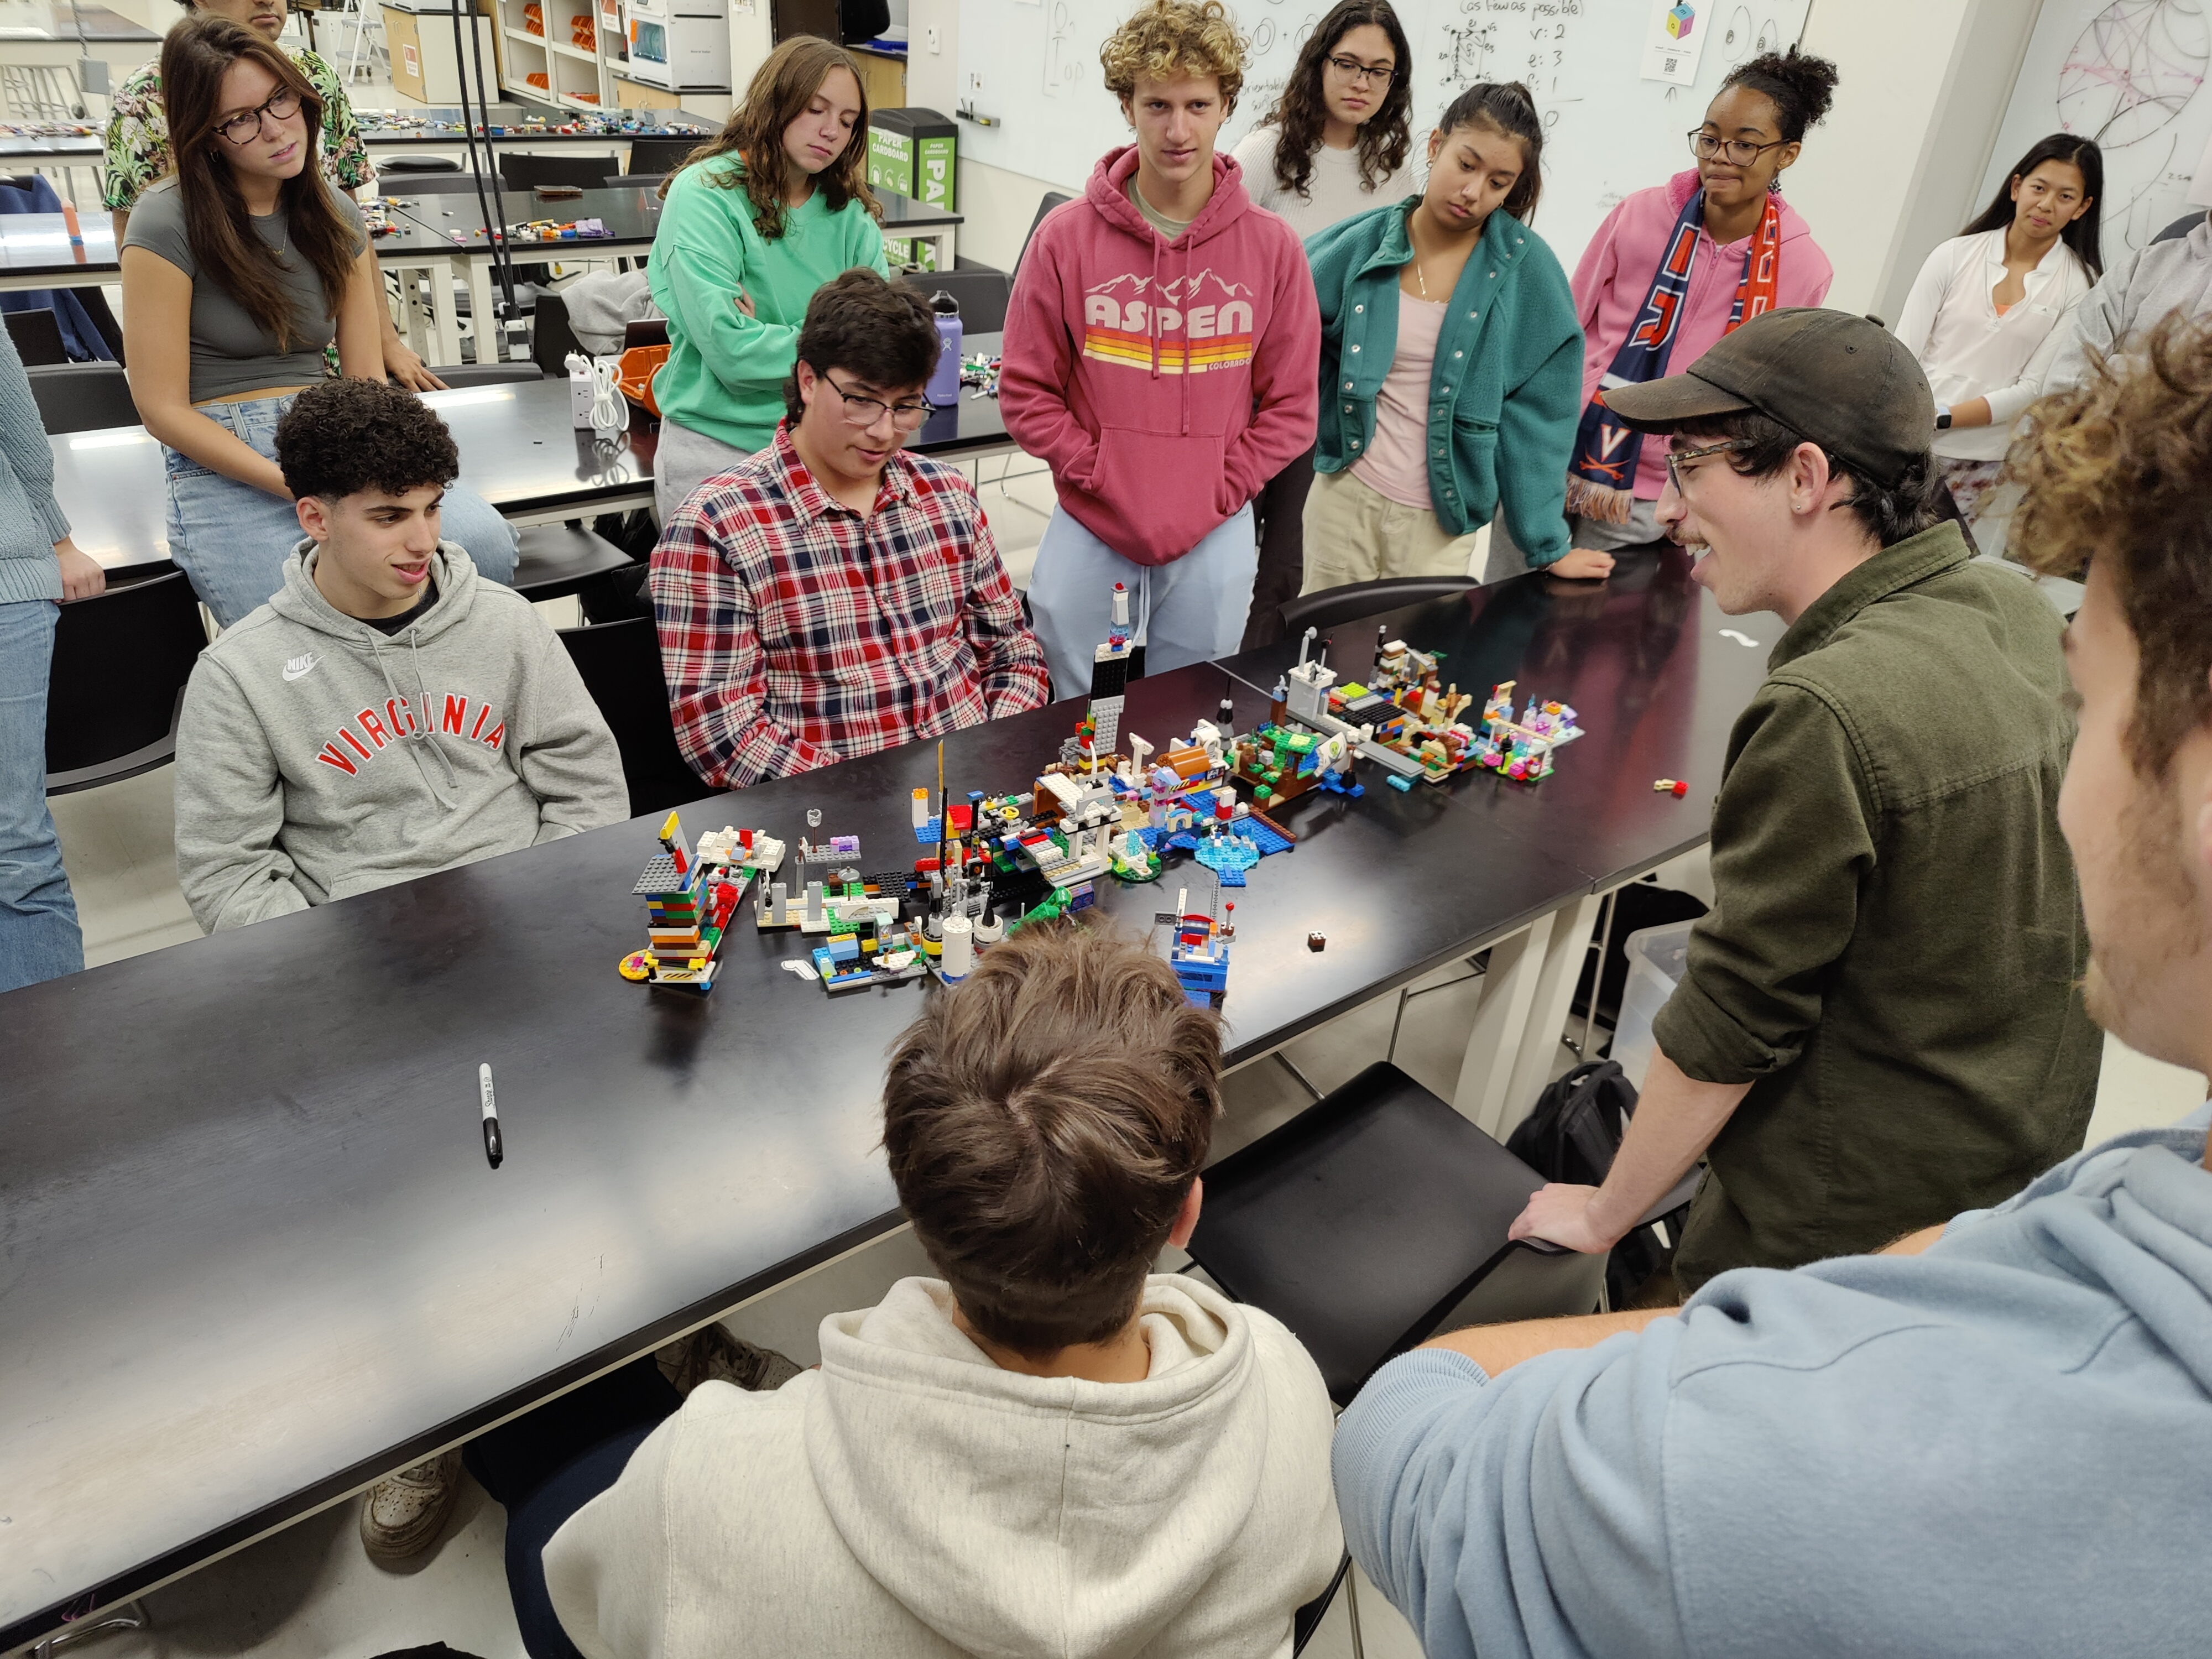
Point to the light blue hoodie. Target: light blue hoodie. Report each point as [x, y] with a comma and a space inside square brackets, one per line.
[2001, 1447]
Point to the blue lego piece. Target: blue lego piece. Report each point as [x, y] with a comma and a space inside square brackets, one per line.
[1228, 857]
[1201, 802]
[1264, 838]
[1403, 786]
[1183, 840]
[927, 833]
[843, 947]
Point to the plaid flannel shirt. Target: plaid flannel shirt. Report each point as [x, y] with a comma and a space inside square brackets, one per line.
[794, 633]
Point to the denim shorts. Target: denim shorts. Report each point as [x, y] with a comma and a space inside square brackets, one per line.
[232, 539]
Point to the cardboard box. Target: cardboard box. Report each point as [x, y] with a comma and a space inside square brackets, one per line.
[914, 152]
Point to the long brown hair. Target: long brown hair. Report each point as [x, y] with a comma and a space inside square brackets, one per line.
[781, 89]
[1301, 112]
[197, 54]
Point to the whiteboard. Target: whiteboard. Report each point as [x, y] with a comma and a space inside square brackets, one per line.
[1033, 64]
[2130, 74]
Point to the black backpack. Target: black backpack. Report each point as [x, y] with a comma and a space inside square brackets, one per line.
[1572, 1136]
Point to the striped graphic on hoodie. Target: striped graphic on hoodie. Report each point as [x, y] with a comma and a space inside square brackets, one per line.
[1211, 316]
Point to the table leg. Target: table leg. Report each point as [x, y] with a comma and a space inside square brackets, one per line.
[1550, 1002]
[483, 317]
[941, 240]
[445, 319]
[1501, 1019]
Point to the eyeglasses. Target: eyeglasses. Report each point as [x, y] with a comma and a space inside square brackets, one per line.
[1357, 73]
[1676, 457]
[865, 412]
[280, 106]
[1740, 152]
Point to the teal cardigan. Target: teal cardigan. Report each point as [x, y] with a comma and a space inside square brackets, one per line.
[1507, 386]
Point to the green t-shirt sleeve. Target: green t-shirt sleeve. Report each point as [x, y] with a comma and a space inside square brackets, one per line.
[1794, 834]
[703, 252]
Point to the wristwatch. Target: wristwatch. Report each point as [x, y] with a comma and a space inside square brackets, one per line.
[1942, 417]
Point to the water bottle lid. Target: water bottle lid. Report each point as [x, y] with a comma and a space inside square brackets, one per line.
[943, 304]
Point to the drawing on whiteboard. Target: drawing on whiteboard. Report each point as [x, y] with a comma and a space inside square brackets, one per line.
[1744, 38]
[1465, 51]
[1061, 66]
[2133, 68]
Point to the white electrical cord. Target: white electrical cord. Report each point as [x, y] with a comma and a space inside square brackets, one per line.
[607, 413]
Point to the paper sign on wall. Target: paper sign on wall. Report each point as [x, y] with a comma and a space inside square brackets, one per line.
[407, 57]
[1674, 40]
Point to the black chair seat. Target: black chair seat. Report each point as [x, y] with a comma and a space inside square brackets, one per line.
[82, 397]
[37, 335]
[103, 725]
[391, 164]
[557, 559]
[527, 172]
[1332, 606]
[620, 663]
[1372, 1221]
[660, 155]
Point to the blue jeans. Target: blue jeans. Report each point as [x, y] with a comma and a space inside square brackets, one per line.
[38, 936]
[233, 539]
[1190, 610]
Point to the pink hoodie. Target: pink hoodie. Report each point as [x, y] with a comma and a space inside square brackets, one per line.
[1614, 278]
[1164, 382]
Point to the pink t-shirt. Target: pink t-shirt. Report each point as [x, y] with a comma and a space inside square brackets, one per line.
[1615, 276]
[1396, 463]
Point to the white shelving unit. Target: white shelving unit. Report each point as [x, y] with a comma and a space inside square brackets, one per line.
[574, 78]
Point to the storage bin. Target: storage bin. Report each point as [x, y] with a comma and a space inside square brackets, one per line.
[1656, 958]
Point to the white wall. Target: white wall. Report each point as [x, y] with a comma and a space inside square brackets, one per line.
[750, 41]
[932, 78]
[1893, 171]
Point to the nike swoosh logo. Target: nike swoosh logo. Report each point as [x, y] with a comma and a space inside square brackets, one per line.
[301, 667]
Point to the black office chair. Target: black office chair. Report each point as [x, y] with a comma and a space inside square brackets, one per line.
[104, 723]
[620, 663]
[644, 331]
[1053, 198]
[37, 335]
[387, 165]
[440, 184]
[551, 339]
[660, 155]
[633, 180]
[2179, 229]
[555, 560]
[1332, 606]
[1375, 1218]
[460, 375]
[982, 293]
[82, 397]
[527, 172]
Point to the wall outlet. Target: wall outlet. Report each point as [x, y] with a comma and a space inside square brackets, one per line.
[936, 41]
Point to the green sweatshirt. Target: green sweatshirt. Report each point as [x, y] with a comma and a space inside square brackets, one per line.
[1891, 958]
[725, 371]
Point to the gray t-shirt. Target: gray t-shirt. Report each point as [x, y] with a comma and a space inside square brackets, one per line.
[231, 352]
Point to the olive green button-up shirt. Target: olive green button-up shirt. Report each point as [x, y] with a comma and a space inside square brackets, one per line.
[1892, 958]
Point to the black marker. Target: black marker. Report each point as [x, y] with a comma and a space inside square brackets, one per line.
[493, 1150]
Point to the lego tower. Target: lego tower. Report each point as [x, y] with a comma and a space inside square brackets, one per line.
[1110, 678]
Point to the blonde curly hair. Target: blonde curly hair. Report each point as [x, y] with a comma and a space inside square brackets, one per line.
[1170, 39]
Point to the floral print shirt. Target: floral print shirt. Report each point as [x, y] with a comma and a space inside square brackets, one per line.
[138, 133]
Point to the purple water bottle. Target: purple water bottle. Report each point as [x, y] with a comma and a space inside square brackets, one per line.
[944, 388]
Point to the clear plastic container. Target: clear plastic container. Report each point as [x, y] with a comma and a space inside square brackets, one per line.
[1656, 958]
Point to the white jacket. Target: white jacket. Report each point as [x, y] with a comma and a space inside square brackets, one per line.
[1951, 324]
[911, 1498]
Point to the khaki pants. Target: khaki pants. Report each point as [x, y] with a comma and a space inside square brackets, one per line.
[1353, 534]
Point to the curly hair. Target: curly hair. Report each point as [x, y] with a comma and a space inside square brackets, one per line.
[1172, 38]
[341, 437]
[1301, 112]
[1044, 1122]
[781, 89]
[1799, 86]
[2119, 469]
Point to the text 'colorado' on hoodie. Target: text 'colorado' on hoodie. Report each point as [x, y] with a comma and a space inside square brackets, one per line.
[1162, 382]
[318, 758]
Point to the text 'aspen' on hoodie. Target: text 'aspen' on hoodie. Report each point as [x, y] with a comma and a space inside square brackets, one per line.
[910, 1500]
[1162, 382]
[317, 758]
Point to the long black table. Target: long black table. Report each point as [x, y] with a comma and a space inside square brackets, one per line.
[518, 451]
[255, 1258]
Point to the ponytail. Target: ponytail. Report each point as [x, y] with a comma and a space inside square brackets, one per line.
[1509, 107]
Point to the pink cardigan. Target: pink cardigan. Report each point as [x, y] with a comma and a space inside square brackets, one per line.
[1615, 276]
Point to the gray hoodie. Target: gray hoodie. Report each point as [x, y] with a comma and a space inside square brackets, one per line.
[910, 1500]
[2133, 297]
[317, 758]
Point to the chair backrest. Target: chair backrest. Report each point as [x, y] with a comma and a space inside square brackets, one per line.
[417, 164]
[551, 339]
[82, 397]
[460, 374]
[527, 171]
[982, 293]
[1053, 198]
[2179, 229]
[633, 180]
[1332, 606]
[37, 335]
[620, 663]
[660, 155]
[438, 183]
[103, 724]
[644, 331]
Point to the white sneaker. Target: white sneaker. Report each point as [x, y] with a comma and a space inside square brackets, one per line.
[404, 1513]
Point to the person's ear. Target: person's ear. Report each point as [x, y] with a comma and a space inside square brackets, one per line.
[1808, 478]
[2012, 192]
[1186, 1221]
[1787, 156]
[1129, 111]
[314, 518]
[1436, 143]
[810, 384]
[2088, 202]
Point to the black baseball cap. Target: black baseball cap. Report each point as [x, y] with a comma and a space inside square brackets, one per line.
[1846, 382]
